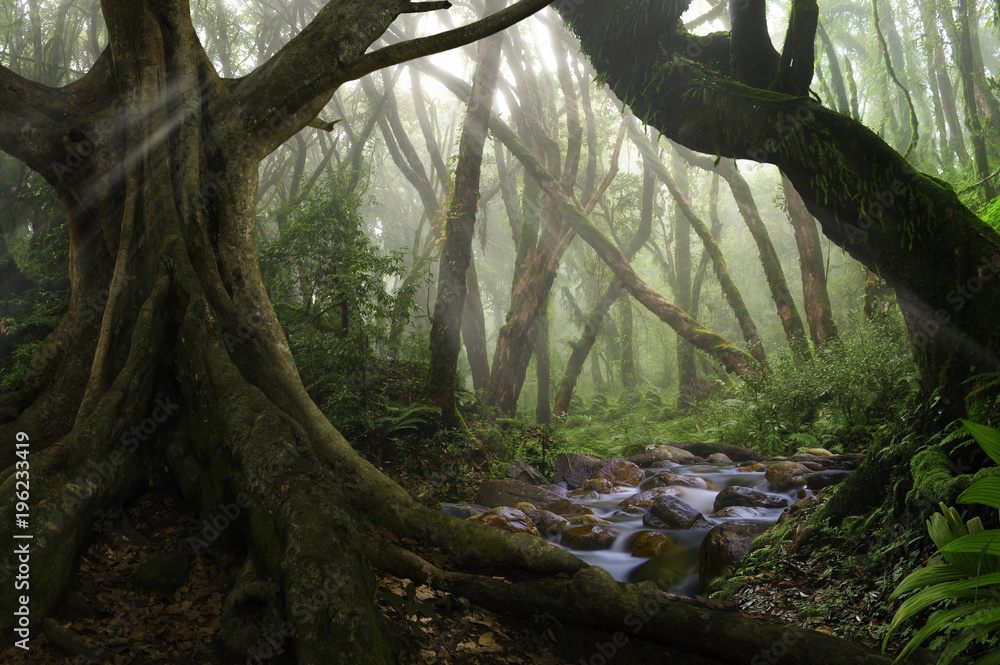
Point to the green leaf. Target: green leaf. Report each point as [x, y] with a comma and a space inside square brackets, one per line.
[959, 643]
[984, 542]
[927, 597]
[930, 575]
[992, 658]
[937, 622]
[985, 491]
[987, 437]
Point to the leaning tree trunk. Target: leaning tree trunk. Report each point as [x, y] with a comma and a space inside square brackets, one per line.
[592, 326]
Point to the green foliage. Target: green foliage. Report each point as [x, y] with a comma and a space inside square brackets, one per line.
[327, 281]
[965, 579]
[853, 385]
[991, 214]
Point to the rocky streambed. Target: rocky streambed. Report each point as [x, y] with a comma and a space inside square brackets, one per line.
[677, 514]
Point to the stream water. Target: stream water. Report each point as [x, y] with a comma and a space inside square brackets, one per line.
[676, 565]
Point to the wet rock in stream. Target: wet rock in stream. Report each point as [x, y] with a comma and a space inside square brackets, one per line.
[674, 513]
[735, 495]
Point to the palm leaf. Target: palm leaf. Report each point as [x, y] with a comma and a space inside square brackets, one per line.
[938, 621]
[935, 574]
[987, 437]
[983, 542]
[985, 491]
[959, 643]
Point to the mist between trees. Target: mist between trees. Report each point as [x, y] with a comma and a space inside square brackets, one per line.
[316, 246]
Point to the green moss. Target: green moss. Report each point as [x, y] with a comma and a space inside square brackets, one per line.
[933, 480]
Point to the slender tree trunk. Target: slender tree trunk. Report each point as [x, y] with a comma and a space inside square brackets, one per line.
[592, 327]
[967, 68]
[822, 327]
[716, 233]
[543, 373]
[939, 70]
[683, 205]
[457, 254]
[629, 370]
[686, 369]
[788, 313]
[474, 331]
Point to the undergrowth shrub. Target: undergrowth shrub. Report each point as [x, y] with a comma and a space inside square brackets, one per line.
[327, 281]
[852, 386]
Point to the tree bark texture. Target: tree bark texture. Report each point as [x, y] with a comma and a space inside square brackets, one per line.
[816, 300]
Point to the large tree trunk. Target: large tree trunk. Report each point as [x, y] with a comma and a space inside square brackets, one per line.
[446, 327]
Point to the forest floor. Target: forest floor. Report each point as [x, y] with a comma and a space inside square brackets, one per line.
[125, 624]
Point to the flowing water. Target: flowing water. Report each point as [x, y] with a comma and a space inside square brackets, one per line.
[678, 564]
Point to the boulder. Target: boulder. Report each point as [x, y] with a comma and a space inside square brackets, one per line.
[822, 452]
[750, 467]
[599, 485]
[568, 507]
[462, 510]
[745, 496]
[654, 454]
[618, 472]
[590, 537]
[645, 498]
[510, 492]
[521, 470]
[735, 453]
[724, 545]
[506, 519]
[849, 461]
[786, 475]
[719, 458]
[547, 522]
[675, 514]
[573, 468]
[673, 479]
[646, 544]
[820, 479]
